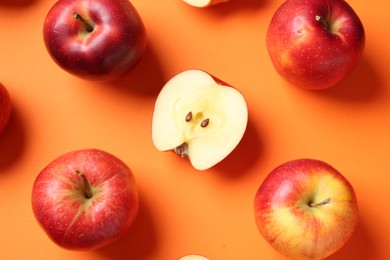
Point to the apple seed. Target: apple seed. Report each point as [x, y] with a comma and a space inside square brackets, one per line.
[87, 187]
[205, 122]
[189, 116]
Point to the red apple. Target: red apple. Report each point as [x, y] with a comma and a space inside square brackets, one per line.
[5, 108]
[306, 209]
[315, 44]
[95, 39]
[85, 199]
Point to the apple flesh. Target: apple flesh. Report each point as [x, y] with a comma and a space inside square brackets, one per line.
[199, 117]
[315, 44]
[5, 108]
[306, 209]
[98, 40]
[204, 3]
[85, 199]
[193, 257]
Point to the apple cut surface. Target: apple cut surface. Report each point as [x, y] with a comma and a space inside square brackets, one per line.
[199, 117]
[204, 3]
[193, 257]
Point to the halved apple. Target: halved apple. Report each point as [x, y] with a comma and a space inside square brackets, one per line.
[193, 257]
[199, 117]
[204, 3]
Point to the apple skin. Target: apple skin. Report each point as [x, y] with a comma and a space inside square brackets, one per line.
[5, 108]
[112, 49]
[315, 44]
[291, 224]
[74, 221]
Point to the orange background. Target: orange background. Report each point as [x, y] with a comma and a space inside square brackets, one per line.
[183, 210]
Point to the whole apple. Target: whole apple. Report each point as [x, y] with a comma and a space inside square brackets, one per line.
[5, 108]
[305, 209]
[200, 117]
[315, 44]
[98, 40]
[85, 199]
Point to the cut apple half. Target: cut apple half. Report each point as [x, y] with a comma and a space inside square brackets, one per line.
[204, 3]
[193, 257]
[199, 117]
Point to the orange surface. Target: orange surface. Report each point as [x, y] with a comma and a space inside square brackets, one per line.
[182, 210]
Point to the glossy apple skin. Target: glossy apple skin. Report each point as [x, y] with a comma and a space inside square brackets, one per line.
[308, 53]
[111, 50]
[5, 108]
[70, 219]
[294, 228]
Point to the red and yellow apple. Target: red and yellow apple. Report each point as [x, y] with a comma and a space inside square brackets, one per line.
[5, 108]
[199, 117]
[95, 39]
[315, 44]
[85, 199]
[306, 209]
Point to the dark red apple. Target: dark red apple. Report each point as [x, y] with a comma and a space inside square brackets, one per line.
[5, 108]
[315, 44]
[95, 39]
[85, 199]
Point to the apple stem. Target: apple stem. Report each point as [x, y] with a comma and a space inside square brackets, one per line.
[205, 122]
[321, 19]
[87, 26]
[182, 150]
[87, 187]
[322, 203]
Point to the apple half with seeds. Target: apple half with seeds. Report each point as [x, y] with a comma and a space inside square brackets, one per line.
[199, 117]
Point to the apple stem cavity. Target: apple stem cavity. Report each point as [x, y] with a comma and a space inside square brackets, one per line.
[322, 203]
[87, 187]
[323, 21]
[87, 26]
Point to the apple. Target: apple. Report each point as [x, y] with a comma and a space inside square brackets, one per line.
[99, 40]
[204, 3]
[306, 209]
[193, 257]
[85, 199]
[199, 117]
[315, 44]
[5, 108]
